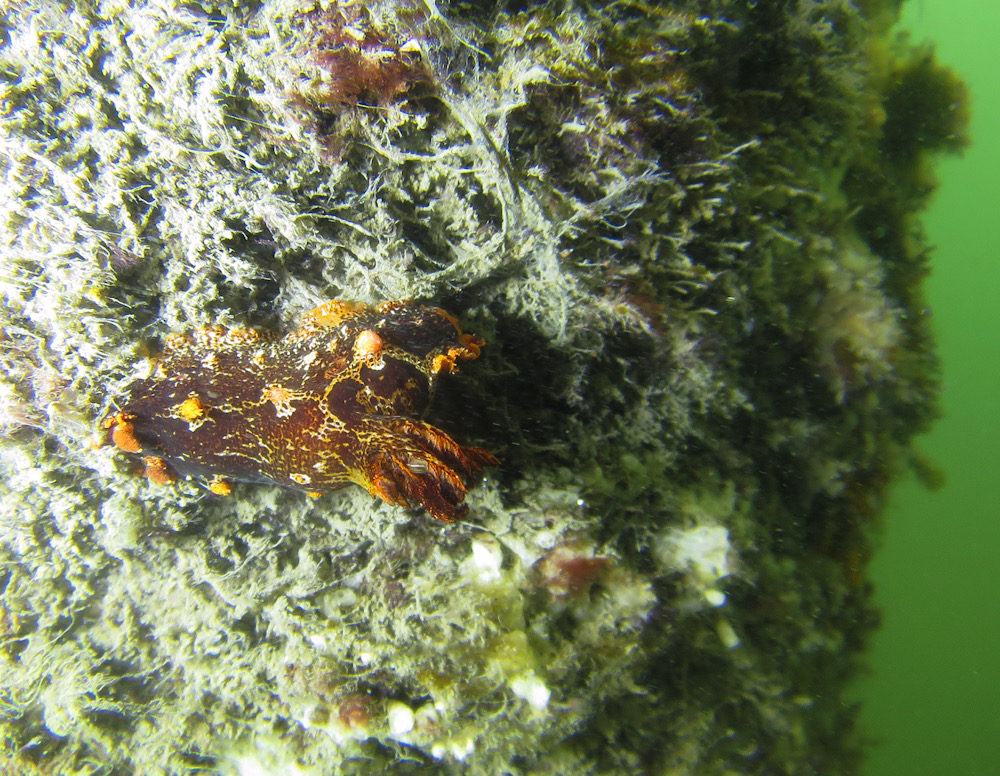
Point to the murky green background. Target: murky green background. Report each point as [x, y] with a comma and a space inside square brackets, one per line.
[934, 698]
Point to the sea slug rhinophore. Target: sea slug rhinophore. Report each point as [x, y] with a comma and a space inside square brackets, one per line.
[336, 401]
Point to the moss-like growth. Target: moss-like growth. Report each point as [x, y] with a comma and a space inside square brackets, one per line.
[688, 234]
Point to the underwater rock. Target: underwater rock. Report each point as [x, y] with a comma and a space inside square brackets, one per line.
[688, 236]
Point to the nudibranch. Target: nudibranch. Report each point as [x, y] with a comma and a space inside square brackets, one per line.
[339, 400]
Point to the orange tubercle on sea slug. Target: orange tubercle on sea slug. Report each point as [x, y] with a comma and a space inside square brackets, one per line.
[191, 408]
[122, 432]
[368, 343]
[155, 469]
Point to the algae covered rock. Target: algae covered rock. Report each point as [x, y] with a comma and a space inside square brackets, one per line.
[686, 233]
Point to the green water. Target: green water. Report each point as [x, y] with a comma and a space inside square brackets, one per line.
[934, 698]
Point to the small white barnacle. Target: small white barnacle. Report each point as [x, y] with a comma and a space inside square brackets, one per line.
[308, 359]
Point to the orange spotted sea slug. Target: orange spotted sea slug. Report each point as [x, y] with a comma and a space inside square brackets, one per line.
[338, 400]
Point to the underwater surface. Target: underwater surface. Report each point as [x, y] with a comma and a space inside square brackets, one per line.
[933, 699]
[679, 251]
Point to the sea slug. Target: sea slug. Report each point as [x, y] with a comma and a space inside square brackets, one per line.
[338, 400]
